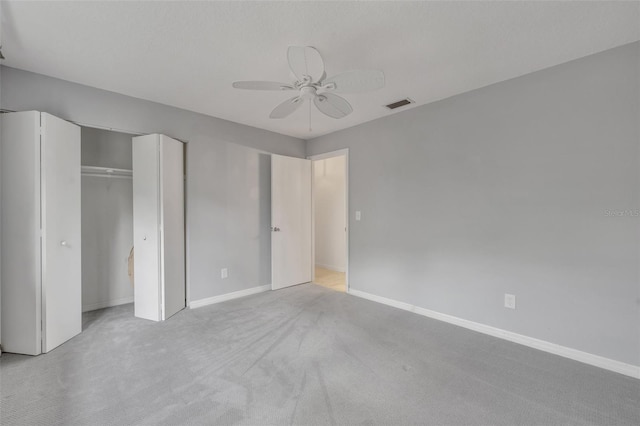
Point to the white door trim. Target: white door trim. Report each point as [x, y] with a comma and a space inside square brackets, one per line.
[187, 233]
[339, 153]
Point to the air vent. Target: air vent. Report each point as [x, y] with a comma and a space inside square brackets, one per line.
[399, 104]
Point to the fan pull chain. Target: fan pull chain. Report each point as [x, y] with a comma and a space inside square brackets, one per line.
[309, 116]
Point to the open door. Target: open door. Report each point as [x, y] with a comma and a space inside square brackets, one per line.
[146, 228]
[173, 245]
[291, 252]
[158, 227]
[60, 215]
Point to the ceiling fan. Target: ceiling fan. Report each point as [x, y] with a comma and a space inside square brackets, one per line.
[308, 68]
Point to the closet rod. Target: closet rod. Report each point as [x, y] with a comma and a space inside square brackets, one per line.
[106, 176]
[106, 172]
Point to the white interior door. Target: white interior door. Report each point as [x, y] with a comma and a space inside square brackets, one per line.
[172, 229]
[146, 227]
[60, 215]
[291, 251]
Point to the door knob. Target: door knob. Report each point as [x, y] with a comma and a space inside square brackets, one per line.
[63, 243]
[144, 238]
[275, 229]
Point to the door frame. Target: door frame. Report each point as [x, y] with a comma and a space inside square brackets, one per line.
[331, 154]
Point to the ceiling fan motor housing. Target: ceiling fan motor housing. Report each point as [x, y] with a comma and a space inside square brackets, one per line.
[307, 92]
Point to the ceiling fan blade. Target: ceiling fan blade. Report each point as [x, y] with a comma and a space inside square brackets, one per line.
[287, 107]
[356, 81]
[332, 105]
[306, 61]
[262, 85]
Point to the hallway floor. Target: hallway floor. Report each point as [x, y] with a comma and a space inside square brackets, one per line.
[330, 279]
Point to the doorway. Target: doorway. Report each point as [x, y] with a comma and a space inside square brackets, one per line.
[107, 218]
[330, 219]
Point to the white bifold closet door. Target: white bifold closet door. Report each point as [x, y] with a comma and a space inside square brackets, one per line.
[291, 221]
[158, 227]
[41, 253]
[61, 238]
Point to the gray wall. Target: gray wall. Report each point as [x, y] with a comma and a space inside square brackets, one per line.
[228, 175]
[106, 148]
[519, 187]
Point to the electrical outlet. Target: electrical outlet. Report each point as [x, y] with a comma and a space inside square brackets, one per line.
[224, 273]
[509, 301]
[358, 215]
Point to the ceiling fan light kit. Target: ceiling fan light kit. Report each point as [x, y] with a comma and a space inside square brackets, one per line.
[307, 65]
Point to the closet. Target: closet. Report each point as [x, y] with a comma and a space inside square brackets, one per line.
[41, 243]
[74, 201]
[133, 196]
[107, 218]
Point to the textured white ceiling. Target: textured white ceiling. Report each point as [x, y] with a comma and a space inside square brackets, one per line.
[187, 54]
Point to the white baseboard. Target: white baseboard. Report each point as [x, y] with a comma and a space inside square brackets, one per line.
[229, 296]
[107, 304]
[331, 267]
[574, 354]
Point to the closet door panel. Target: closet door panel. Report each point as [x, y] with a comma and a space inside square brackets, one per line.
[172, 211]
[146, 227]
[61, 239]
[20, 275]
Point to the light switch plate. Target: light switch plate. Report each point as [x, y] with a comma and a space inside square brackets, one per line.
[358, 215]
[224, 273]
[509, 301]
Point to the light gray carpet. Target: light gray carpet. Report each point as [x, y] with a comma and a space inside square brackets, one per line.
[304, 355]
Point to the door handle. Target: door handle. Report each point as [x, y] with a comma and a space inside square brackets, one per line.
[275, 229]
[63, 243]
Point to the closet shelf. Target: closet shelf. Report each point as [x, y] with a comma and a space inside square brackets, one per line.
[105, 172]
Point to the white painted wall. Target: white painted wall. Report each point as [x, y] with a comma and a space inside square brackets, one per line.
[530, 187]
[107, 221]
[329, 212]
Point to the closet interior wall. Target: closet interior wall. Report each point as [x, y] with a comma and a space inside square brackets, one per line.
[107, 219]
